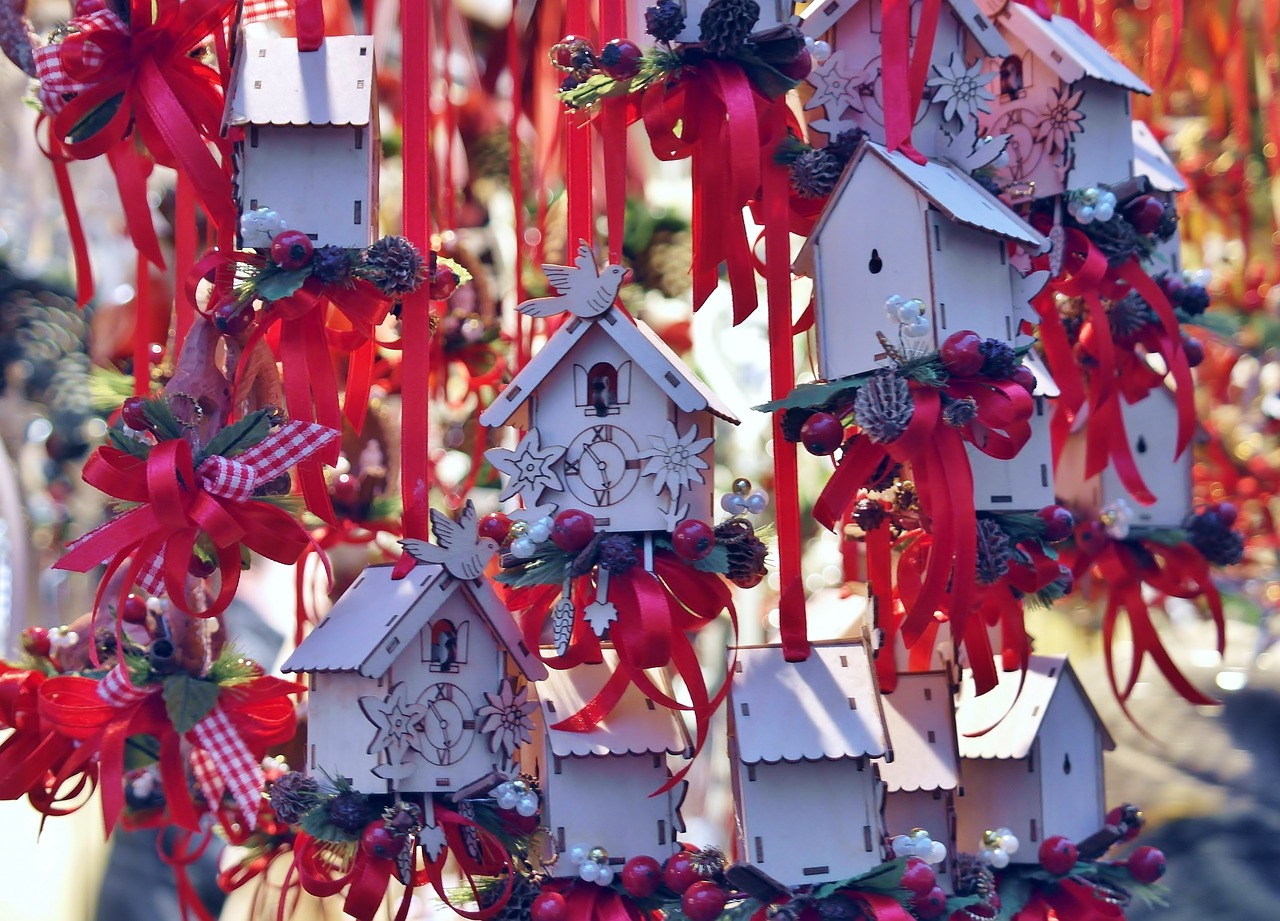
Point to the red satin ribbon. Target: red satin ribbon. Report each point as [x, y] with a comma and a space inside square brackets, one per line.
[32, 758]
[590, 902]
[1068, 900]
[903, 72]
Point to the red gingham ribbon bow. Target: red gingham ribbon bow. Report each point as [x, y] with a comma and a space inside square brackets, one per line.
[179, 503]
[71, 66]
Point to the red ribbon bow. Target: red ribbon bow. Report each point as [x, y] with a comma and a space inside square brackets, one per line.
[33, 756]
[178, 503]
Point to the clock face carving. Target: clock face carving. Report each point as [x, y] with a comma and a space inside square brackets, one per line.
[601, 466]
[448, 723]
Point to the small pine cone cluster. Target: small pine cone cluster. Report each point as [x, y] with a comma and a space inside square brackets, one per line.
[665, 20]
[1213, 538]
[814, 173]
[1193, 299]
[1168, 224]
[959, 413]
[999, 360]
[1129, 316]
[839, 907]
[292, 795]
[870, 514]
[394, 266]
[995, 551]
[973, 877]
[745, 551]
[845, 144]
[617, 553]
[883, 406]
[350, 811]
[331, 265]
[518, 905]
[726, 24]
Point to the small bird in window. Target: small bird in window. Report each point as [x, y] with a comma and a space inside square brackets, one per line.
[459, 548]
[582, 288]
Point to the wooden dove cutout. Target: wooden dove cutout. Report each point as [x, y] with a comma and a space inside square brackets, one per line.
[1025, 288]
[583, 289]
[459, 548]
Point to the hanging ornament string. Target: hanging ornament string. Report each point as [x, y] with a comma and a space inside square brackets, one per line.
[903, 71]
[613, 136]
[578, 188]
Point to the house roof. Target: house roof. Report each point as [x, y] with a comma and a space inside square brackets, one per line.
[1066, 49]
[921, 707]
[373, 620]
[1019, 715]
[276, 84]
[818, 17]
[944, 186]
[824, 708]
[1150, 160]
[635, 726]
[648, 351]
[1046, 386]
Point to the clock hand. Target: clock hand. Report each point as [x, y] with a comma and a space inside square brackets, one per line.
[601, 465]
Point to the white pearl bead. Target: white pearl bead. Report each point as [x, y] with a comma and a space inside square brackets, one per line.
[577, 853]
[999, 858]
[757, 502]
[1104, 212]
[523, 548]
[1090, 196]
[920, 326]
[527, 805]
[1008, 841]
[937, 853]
[539, 534]
[733, 503]
[820, 51]
[910, 310]
[1084, 214]
[605, 875]
[900, 845]
[506, 799]
[589, 871]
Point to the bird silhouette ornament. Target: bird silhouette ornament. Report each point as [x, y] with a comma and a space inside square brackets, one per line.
[582, 289]
[459, 548]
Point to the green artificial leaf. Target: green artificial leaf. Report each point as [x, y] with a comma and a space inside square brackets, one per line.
[96, 120]
[164, 424]
[315, 822]
[547, 568]
[240, 436]
[272, 284]
[1212, 322]
[140, 751]
[1169, 537]
[811, 395]
[1014, 892]
[123, 442]
[188, 700]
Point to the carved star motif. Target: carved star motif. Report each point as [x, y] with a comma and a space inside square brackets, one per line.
[528, 468]
[397, 720]
[836, 85]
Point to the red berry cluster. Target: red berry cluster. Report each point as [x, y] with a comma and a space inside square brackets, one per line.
[619, 59]
[963, 354]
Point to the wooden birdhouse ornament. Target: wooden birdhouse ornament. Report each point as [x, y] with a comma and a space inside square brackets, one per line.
[615, 424]
[305, 132]
[1064, 102]
[1026, 483]
[1038, 772]
[923, 778]
[947, 245]
[1151, 427]
[803, 737]
[409, 683]
[598, 786]
[848, 86]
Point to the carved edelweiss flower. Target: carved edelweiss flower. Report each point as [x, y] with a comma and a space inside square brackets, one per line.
[673, 461]
[962, 91]
[1061, 121]
[505, 718]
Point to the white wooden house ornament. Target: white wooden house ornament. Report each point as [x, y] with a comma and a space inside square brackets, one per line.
[597, 786]
[1151, 426]
[616, 425]
[922, 779]
[1064, 100]
[895, 227]
[803, 737]
[848, 85]
[305, 129]
[773, 13]
[403, 677]
[1026, 483]
[1039, 771]
[1151, 161]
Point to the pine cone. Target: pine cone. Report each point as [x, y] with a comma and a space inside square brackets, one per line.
[665, 20]
[394, 265]
[746, 552]
[1000, 361]
[973, 877]
[869, 514]
[1129, 315]
[995, 550]
[883, 406]
[793, 421]
[1216, 542]
[617, 553]
[959, 413]
[331, 265]
[839, 907]
[1168, 224]
[726, 24]
[1193, 299]
[519, 903]
[814, 173]
[292, 795]
[845, 144]
[350, 811]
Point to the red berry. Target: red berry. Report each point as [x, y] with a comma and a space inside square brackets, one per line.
[1145, 214]
[35, 642]
[548, 906]
[798, 68]
[444, 281]
[1091, 535]
[1193, 348]
[1059, 524]
[1024, 377]
[641, 876]
[564, 52]
[380, 841]
[200, 567]
[291, 250]
[1124, 815]
[680, 873]
[703, 901]
[1227, 514]
[495, 526]
[232, 317]
[1146, 864]
[1172, 286]
[919, 877]
[156, 352]
[620, 59]
[692, 539]
[1058, 855]
[134, 609]
[961, 353]
[345, 490]
[822, 433]
[573, 529]
[930, 905]
[134, 414]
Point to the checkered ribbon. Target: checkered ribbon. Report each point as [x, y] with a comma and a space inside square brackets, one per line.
[264, 10]
[220, 760]
[71, 66]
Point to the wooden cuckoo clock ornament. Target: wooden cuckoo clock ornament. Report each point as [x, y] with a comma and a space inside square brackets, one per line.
[1038, 770]
[303, 121]
[409, 682]
[1064, 101]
